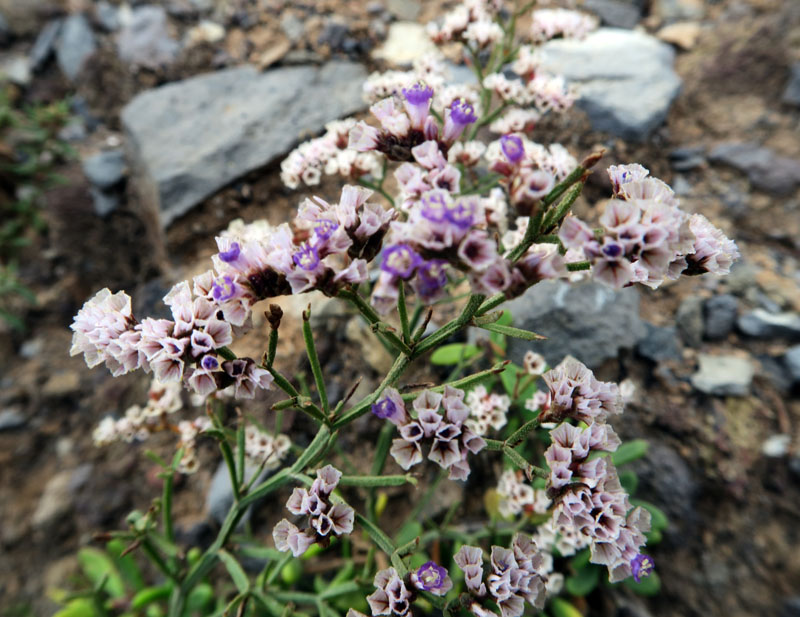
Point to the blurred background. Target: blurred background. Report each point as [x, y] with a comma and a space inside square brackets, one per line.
[130, 133]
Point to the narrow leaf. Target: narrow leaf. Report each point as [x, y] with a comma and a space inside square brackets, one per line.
[235, 570]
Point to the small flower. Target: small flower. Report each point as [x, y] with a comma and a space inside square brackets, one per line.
[417, 103]
[458, 116]
[432, 577]
[641, 567]
[324, 228]
[225, 290]
[307, 258]
[400, 260]
[513, 148]
[232, 254]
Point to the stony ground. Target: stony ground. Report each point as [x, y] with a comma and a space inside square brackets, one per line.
[716, 362]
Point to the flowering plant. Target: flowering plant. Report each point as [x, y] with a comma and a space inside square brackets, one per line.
[460, 217]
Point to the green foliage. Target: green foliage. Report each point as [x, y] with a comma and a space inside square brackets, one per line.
[454, 353]
[29, 152]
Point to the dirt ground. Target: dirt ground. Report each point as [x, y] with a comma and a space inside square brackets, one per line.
[732, 547]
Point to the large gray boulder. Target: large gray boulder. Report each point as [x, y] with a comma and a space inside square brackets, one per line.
[625, 78]
[588, 321]
[190, 138]
[74, 46]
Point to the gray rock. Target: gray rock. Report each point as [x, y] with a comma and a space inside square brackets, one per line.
[765, 170]
[75, 44]
[680, 10]
[588, 321]
[190, 138]
[23, 17]
[57, 498]
[614, 13]
[104, 202]
[627, 99]
[666, 479]
[5, 31]
[45, 44]
[145, 41]
[720, 316]
[220, 493]
[723, 375]
[105, 169]
[404, 10]
[791, 607]
[792, 93]
[791, 360]
[107, 15]
[659, 344]
[16, 68]
[293, 27]
[762, 324]
[74, 130]
[689, 321]
[687, 158]
[11, 419]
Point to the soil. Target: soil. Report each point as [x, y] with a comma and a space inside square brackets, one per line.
[731, 548]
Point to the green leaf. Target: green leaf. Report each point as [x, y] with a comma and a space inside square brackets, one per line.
[583, 582]
[126, 565]
[496, 337]
[79, 607]
[629, 481]
[649, 586]
[150, 595]
[199, 599]
[509, 377]
[630, 451]
[658, 520]
[559, 607]
[525, 335]
[653, 537]
[409, 531]
[581, 560]
[454, 353]
[98, 565]
[235, 570]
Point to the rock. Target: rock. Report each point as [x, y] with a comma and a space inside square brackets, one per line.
[16, 68]
[23, 17]
[11, 418]
[720, 316]
[56, 499]
[104, 202]
[659, 344]
[405, 42]
[683, 34]
[614, 13]
[334, 34]
[627, 99]
[723, 375]
[293, 27]
[765, 170]
[62, 383]
[677, 10]
[220, 493]
[791, 359]
[205, 32]
[776, 446]
[792, 93]
[105, 169]
[75, 44]
[689, 321]
[762, 324]
[666, 479]
[31, 348]
[588, 321]
[145, 40]
[404, 10]
[791, 607]
[45, 44]
[5, 31]
[687, 158]
[107, 16]
[190, 138]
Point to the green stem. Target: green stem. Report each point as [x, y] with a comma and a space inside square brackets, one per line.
[554, 216]
[313, 358]
[522, 432]
[158, 561]
[402, 311]
[376, 481]
[371, 316]
[377, 188]
[576, 266]
[227, 454]
[451, 327]
[166, 505]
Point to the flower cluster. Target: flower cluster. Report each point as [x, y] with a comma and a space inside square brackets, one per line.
[486, 410]
[585, 487]
[534, 363]
[138, 423]
[393, 595]
[514, 577]
[646, 238]
[472, 23]
[328, 155]
[575, 393]
[548, 24]
[325, 519]
[451, 439]
[263, 449]
[517, 496]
